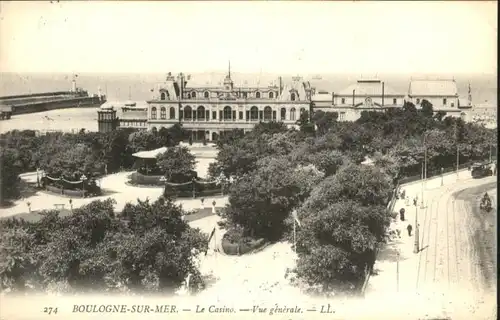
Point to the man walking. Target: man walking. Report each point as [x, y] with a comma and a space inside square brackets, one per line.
[409, 228]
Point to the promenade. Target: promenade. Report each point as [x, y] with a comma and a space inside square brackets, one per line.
[443, 278]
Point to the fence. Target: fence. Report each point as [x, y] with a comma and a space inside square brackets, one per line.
[190, 189]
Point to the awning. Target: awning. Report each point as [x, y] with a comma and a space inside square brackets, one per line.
[150, 154]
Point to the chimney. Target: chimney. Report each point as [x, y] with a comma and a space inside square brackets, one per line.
[383, 92]
[353, 94]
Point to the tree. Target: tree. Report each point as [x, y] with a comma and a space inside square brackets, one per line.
[368, 185]
[426, 108]
[324, 120]
[94, 250]
[260, 201]
[143, 141]
[337, 243]
[178, 164]
[10, 168]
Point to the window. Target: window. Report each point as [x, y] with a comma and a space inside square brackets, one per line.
[163, 113]
[452, 104]
[343, 101]
[234, 115]
[188, 113]
[214, 115]
[444, 101]
[207, 115]
[268, 112]
[292, 96]
[418, 101]
[274, 115]
[193, 94]
[172, 113]
[292, 114]
[394, 101]
[271, 95]
[254, 113]
[257, 95]
[227, 113]
[342, 116]
[245, 95]
[248, 115]
[261, 115]
[283, 114]
[241, 115]
[206, 94]
[200, 113]
[162, 97]
[153, 113]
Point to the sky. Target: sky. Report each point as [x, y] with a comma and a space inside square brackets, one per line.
[275, 37]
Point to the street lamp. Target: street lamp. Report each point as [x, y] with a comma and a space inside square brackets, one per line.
[29, 206]
[71, 205]
[164, 180]
[416, 246]
[83, 178]
[38, 176]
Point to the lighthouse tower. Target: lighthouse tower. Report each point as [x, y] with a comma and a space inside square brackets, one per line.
[73, 83]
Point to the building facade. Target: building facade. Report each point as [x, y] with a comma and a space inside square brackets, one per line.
[210, 111]
[364, 95]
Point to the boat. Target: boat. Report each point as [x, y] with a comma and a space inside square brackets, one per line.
[45, 101]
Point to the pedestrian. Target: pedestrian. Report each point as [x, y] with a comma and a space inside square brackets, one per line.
[398, 232]
[409, 228]
[403, 194]
[407, 201]
[415, 202]
[402, 214]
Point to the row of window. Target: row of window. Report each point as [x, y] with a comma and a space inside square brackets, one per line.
[244, 95]
[133, 123]
[226, 114]
[394, 101]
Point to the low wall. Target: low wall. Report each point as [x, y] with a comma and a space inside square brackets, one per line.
[69, 193]
[236, 249]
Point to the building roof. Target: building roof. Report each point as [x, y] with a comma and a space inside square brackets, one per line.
[150, 154]
[368, 87]
[322, 97]
[433, 88]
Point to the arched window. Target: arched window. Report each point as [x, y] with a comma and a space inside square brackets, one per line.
[271, 95]
[206, 94]
[193, 94]
[227, 113]
[162, 97]
[188, 113]
[283, 114]
[200, 113]
[153, 113]
[268, 113]
[172, 113]
[257, 95]
[292, 114]
[254, 113]
[342, 101]
[163, 113]
[292, 96]
[302, 110]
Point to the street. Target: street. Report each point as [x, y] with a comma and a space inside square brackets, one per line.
[449, 260]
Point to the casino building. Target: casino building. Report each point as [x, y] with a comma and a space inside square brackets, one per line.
[209, 111]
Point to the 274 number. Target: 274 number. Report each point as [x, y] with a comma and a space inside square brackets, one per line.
[50, 310]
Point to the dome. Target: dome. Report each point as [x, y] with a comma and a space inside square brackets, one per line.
[106, 106]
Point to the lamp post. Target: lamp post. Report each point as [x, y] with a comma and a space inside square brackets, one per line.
[29, 206]
[416, 246]
[83, 178]
[38, 176]
[71, 205]
[442, 182]
[164, 180]
[222, 179]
